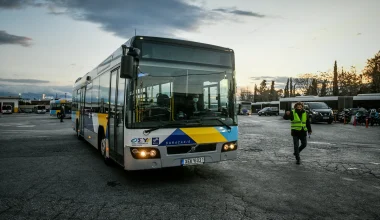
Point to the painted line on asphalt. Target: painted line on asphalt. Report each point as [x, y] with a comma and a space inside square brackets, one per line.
[348, 179]
[374, 163]
[322, 143]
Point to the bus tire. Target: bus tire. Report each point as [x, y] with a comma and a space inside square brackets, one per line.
[103, 145]
[100, 137]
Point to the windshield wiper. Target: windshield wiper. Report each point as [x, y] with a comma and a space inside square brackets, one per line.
[219, 120]
[146, 132]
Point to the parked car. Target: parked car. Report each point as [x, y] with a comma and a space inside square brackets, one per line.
[268, 111]
[319, 112]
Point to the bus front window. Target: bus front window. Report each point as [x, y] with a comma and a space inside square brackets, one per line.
[166, 92]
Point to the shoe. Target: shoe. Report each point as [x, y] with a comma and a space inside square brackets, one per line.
[298, 162]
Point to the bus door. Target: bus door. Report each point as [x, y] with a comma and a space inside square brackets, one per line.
[116, 117]
[81, 95]
[210, 93]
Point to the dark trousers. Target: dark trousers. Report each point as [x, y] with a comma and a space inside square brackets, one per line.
[296, 142]
[62, 116]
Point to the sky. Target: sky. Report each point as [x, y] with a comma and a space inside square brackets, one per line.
[45, 45]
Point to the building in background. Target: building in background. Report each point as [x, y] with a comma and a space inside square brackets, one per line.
[10, 100]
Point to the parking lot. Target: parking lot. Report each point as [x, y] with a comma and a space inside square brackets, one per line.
[47, 173]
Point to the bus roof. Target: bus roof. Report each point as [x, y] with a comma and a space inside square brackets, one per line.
[113, 59]
[308, 98]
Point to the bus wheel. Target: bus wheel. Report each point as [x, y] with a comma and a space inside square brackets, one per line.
[103, 147]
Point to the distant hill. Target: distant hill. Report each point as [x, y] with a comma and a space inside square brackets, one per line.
[33, 96]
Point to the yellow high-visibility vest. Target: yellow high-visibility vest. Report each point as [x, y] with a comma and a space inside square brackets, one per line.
[297, 124]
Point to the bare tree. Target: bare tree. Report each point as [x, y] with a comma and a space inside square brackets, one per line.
[286, 90]
[349, 82]
[304, 81]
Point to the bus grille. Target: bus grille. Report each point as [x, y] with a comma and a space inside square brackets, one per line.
[188, 149]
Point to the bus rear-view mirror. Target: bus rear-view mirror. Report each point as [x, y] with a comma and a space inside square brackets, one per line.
[126, 67]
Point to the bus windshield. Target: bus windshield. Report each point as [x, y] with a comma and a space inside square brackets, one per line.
[41, 107]
[7, 107]
[177, 92]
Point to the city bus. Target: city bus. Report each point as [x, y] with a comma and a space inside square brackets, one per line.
[159, 102]
[244, 108]
[6, 109]
[55, 108]
[39, 109]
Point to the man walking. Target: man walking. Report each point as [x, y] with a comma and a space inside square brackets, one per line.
[62, 116]
[300, 126]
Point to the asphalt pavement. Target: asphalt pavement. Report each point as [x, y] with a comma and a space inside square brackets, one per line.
[47, 173]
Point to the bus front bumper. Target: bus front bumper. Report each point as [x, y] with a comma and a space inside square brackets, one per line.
[175, 160]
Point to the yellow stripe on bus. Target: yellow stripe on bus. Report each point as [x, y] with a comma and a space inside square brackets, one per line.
[204, 135]
[102, 118]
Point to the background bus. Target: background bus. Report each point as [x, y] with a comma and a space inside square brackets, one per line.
[55, 108]
[244, 108]
[257, 106]
[39, 109]
[337, 103]
[6, 109]
[178, 110]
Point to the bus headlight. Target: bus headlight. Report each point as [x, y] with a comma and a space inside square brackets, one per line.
[153, 153]
[145, 153]
[230, 146]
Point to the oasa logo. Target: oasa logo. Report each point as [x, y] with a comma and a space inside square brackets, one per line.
[140, 140]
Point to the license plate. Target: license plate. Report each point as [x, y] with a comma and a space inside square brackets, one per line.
[193, 161]
[325, 117]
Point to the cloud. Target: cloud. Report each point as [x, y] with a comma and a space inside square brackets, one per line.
[24, 89]
[278, 80]
[17, 4]
[6, 38]
[239, 12]
[31, 81]
[11, 4]
[122, 17]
